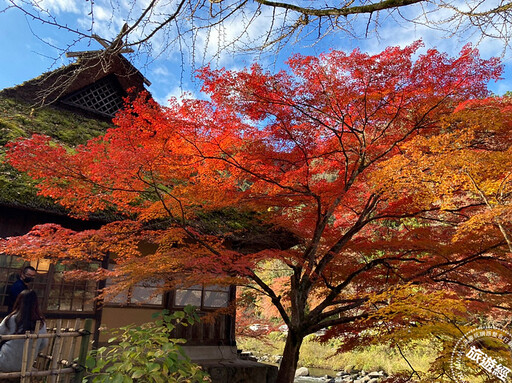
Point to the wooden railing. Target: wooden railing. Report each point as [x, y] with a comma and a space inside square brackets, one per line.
[62, 361]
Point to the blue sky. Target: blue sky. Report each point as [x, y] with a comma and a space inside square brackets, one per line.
[29, 49]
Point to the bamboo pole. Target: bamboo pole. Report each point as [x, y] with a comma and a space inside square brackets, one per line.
[38, 336]
[60, 352]
[65, 351]
[65, 347]
[56, 346]
[17, 374]
[84, 347]
[72, 347]
[33, 349]
[24, 358]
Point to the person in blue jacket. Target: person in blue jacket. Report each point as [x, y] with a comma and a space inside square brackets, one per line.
[24, 317]
[26, 276]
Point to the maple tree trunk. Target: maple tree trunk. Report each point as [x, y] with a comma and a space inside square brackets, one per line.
[291, 352]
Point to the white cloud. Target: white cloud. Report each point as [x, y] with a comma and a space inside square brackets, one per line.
[102, 13]
[50, 41]
[394, 30]
[235, 34]
[58, 6]
[434, 33]
[160, 71]
[501, 88]
[177, 92]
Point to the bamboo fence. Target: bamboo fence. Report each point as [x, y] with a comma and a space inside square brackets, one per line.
[59, 361]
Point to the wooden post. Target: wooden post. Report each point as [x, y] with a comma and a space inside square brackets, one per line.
[84, 347]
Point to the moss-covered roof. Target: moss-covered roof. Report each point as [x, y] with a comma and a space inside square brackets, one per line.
[20, 119]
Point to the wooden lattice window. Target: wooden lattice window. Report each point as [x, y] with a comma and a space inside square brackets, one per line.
[67, 295]
[104, 97]
[10, 267]
[56, 294]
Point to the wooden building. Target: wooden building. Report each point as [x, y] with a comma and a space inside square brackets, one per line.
[73, 104]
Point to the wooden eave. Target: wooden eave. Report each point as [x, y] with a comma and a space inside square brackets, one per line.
[50, 87]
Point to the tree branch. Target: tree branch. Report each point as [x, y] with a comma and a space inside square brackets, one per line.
[344, 11]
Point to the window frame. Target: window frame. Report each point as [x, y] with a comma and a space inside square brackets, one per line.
[228, 290]
[129, 295]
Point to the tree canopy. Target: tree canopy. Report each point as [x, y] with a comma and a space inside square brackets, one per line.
[469, 165]
[334, 155]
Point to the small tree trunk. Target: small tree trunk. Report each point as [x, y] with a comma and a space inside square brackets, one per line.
[291, 352]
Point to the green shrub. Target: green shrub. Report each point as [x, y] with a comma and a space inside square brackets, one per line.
[146, 354]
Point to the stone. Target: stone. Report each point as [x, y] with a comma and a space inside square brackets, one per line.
[311, 379]
[349, 369]
[375, 374]
[373, 380]
[247, 355]
[302, 371]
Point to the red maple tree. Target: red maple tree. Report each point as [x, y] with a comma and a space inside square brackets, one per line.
[303, 151]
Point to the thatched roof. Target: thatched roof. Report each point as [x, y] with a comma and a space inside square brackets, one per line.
[58, 104]
[92, 86]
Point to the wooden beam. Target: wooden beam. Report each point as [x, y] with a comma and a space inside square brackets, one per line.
[101, 40]
[82, 53]
[91, 53]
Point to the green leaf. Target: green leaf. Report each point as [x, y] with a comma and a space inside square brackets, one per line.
[189, 309]
[137, 374]
[152, 367]
[90, 362]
